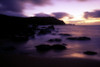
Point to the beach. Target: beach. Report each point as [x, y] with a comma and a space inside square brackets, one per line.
[29, 61]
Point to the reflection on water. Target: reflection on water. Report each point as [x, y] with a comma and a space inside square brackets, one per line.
[79, 55]
[75, 48]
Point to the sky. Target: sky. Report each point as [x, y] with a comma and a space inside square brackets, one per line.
[80, 12]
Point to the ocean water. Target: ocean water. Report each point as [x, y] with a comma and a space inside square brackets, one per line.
[74, 48]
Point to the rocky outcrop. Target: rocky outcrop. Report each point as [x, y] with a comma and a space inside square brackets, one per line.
[44, 31]
[58, 47]
[55, 40]
[90, 53]
[79, 38]
[65, 34]
[47, 47]
[11, 26]
[43, 47]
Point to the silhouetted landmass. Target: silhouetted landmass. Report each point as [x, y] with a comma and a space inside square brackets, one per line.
[32, 20]
[17, 27]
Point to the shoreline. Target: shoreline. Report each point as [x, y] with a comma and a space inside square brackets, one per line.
[28, 61]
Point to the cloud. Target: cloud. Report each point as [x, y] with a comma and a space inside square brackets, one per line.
[57, 15]
[10, 13]
[94, 14]
[40, 2]
[11, 5]
[60, 14]
[18, 5]
[42, 15]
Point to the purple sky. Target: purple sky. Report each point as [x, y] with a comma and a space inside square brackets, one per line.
[70, 11]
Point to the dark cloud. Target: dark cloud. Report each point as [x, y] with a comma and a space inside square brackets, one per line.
[10, 13]
[40, 2]
[17, 5]
[11, 5]
[57, 15]
[42, 15]
[60, 14]
[94, 14]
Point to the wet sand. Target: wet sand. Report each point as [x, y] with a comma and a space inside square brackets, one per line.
[28, 61]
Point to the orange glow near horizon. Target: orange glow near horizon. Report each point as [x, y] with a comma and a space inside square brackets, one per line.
[77, 55]
[92, 20]
[79, 20]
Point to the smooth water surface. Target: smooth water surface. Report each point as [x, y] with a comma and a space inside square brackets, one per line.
[75, 48]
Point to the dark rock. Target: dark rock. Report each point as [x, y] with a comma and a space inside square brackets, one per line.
[51, 40]
[53, 33]
[44, 31]
[19, 39]
[58, 47]
[1, 43]
[72, 38]
[46, 47]
[33, 36]
[84, 38]
[51, 27]
[11, 48]
[90, 53]
[65, 34]
[55, 40]
[79, 38]
[44, 27]
[64, 44]
[43, 47]
[58, 40]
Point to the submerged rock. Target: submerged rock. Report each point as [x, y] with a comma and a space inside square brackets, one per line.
[53, 33]
[58, 47]
[43, 47]
[44, 31]
[46, 47]
[55, 40]
[84, 38]
[72, 38]
[51, 27]
[58, 40]
[65, 34]
[90, 53]
[79, 38]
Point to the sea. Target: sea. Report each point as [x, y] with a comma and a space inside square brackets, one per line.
[75, 49]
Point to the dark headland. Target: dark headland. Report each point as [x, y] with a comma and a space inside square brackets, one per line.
[31, 20]
[11, 25]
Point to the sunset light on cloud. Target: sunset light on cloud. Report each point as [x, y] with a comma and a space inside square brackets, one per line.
[74, 10]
